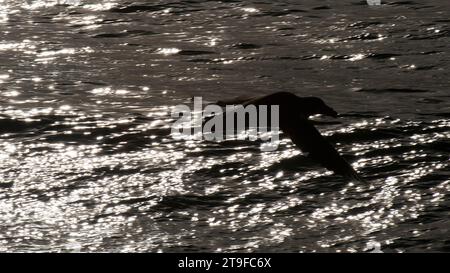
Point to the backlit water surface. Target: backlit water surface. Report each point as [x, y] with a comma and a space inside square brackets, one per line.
[87, 162]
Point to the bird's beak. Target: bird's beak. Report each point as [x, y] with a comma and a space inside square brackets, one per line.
[330, 112]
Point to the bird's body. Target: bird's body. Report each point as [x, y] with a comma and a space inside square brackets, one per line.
[294, 112]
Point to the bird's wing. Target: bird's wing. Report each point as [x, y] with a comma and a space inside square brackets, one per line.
[241, 100]
[278, 98]
[309, 140]
[235, 101]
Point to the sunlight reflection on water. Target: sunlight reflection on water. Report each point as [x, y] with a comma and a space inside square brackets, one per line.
[88, 162]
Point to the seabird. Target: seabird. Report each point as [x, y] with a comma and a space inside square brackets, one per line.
[293, 121]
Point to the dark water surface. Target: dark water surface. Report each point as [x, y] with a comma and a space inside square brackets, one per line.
[87, 162]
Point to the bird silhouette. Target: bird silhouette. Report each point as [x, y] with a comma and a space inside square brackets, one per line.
[294, 113]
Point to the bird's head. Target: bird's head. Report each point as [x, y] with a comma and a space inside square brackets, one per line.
[314, 106]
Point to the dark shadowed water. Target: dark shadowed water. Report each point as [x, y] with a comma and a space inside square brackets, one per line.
[88, 163]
